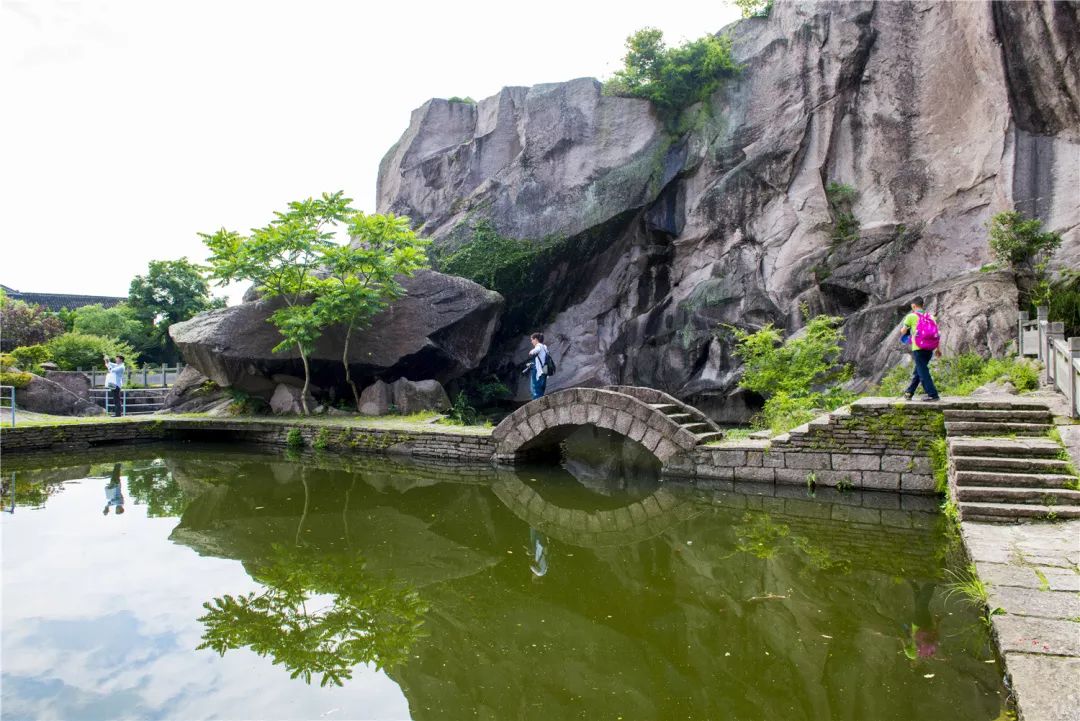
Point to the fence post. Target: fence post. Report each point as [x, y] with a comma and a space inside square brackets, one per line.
[164, 376]
[123, 401]
[1054, 332]
[12, 406]
[1074, 377]
[1043, 318]
[1024, 315]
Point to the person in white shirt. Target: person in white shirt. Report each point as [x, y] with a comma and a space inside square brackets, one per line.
[537, 365]
[114, 381]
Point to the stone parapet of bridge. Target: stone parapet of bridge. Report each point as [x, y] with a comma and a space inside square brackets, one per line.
[542, 421]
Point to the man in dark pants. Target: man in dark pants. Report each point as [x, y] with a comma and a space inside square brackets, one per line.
[923, 349]
[114, 381]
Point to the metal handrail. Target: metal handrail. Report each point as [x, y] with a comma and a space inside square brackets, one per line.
[11, 396]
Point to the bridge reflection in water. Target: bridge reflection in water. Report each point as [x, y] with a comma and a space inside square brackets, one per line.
[653, 601]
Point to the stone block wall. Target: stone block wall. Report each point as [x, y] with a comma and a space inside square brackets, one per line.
[434, 444]
[875, 445]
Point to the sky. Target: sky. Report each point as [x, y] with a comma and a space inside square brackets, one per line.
[131, 125]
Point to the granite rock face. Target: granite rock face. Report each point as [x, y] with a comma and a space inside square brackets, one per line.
[938, 115]
[440, 329]
[415, 396]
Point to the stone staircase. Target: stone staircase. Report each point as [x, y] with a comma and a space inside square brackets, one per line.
[1002, 466]
[687, 416]
[690, 419]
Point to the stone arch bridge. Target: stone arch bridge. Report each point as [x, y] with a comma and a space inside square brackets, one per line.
[661, 423]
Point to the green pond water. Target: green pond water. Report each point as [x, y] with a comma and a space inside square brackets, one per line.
[245, 585]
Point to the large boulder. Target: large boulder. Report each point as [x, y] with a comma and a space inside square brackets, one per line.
[440, 329]
[192, 392]
[937, 115]
[376, 399]
[76, 382]
[42, 395]
[287, 400]
[416, 396]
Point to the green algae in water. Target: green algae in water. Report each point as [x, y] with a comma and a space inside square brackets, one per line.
[433, 592]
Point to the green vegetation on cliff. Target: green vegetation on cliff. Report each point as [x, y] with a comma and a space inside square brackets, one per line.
[676, 77]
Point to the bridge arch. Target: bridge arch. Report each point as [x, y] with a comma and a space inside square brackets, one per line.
[645, 423]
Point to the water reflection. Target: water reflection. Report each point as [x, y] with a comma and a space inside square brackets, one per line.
[646, 600]
[318, 614]
[114, 494]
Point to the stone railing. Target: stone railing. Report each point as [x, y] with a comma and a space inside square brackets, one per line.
[1060, 356]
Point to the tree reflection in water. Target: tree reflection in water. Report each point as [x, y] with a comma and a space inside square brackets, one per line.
[361, 619]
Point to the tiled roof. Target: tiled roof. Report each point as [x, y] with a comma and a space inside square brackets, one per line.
[56, 301]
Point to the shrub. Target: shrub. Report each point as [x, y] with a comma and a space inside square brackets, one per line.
[26, 324]
[294, 439]
[30, 357]
[672, 78]
[799, 377]
[1019, 242]
[805, 363]
[1062, 299]
[754, 8]
[841, 198]
[17, 379]
[71, 351]
[465, 100]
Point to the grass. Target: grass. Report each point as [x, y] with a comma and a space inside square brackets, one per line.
[969, 586]
[961, 374]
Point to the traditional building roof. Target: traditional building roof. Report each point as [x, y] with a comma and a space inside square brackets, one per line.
[57, 301]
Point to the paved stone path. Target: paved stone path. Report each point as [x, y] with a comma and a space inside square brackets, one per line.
[1033, 574]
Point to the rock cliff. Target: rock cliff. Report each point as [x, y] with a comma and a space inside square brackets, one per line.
[664, 231]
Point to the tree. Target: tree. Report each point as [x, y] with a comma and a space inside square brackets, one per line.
[117, 322]
[797, 375]
[363, 275]
[24, 324]
[672, 78]
[1019, 242]
[71, 351]
[318, 613]
[282, 259]
[754, 8]
[171, 291]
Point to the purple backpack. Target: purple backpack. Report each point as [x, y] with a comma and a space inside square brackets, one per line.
[927, 336]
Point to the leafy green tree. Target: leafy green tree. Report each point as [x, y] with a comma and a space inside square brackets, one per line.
[171, 291]
[672, 78]
[795, 375]
[1019, 242]
[24, 324]
[282, 259]
[30, 357]
[71, 351]
[319, 613]
[363, 275]
[117, 322]
[754, 8]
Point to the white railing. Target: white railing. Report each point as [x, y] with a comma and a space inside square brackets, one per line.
[1060, 356]
[148, 376]
[8, 393]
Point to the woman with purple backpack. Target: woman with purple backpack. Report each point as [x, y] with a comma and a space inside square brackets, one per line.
[921, 330]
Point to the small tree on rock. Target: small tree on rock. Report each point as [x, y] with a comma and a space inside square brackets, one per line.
[363, 275]
[281, 259]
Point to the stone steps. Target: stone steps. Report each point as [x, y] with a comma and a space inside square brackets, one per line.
[1013, 512]
[995, 428]
[709, 437]
[1004, 447]
[1020, 480]
[1002, 494]
[696, 428]
[1001, 416]
[1010, 464]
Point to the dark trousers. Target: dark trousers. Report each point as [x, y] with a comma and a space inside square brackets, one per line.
[114, 399]
[922, 374]
[537, 384]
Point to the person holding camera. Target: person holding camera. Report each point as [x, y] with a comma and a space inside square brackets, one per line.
[540, 366]
[114, 381]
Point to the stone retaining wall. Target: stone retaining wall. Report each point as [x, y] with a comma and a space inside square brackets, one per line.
[875, 445]
[419, 443]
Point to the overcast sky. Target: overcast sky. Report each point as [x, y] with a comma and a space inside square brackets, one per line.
[130, 125]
